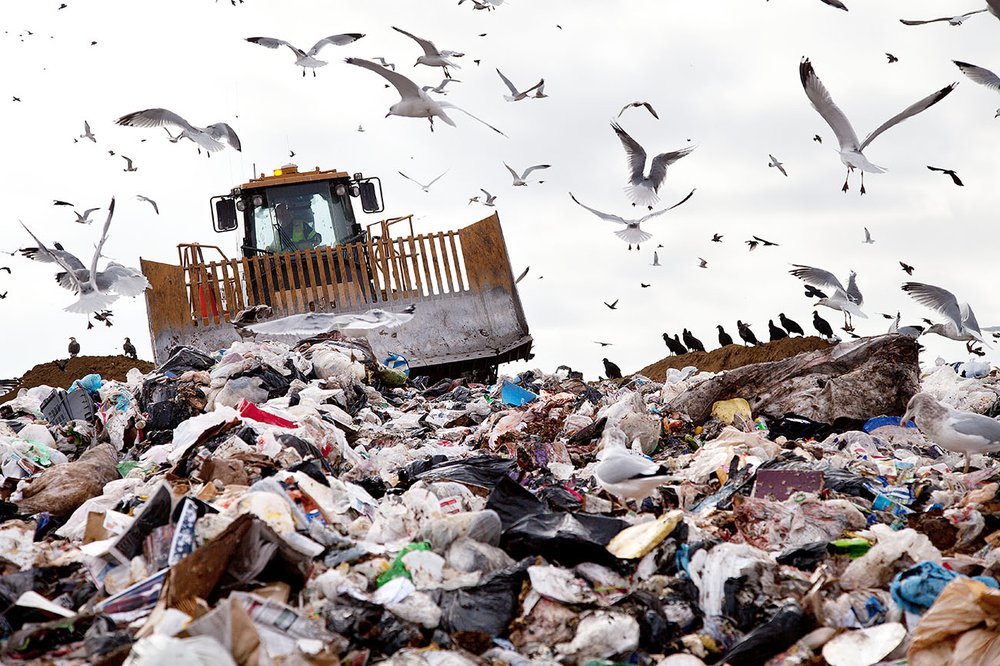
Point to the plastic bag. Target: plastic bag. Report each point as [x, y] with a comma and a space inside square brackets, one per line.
[962, 628]
[61, 489]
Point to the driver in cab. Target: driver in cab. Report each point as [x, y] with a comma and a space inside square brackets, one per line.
[293, 232]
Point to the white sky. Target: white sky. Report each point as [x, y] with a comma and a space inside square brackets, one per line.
[723, 74]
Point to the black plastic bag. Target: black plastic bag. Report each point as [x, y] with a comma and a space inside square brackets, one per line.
[183, 358]
[786, 627]
[486, 608]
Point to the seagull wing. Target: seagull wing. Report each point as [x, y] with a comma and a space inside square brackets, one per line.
[512, 173]
[436, 179]
[302, 325]
[969, 321]
[636, 154]
[853, 292]
[820, 99]
[604, 216]
[408, 178]
[658, 168]
[272, 43]
[488, 195]
[426, 45]
[100, 244]
[513, 90]
[149, 201]
[916, 22]
[868, 235]
[156, 118]
[223, 132]
[912, 110]
[817, 277]
[649, 107]
[129, 161]
[69, 263]
[404, 86]
[87, 212]
[122, 280]
[335, 40]
[449, 105]
[661, 212]
[618, 467]
[980, 75]
[936, 298]
[534, 168]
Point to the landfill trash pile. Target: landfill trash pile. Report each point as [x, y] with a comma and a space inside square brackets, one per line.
[735, 356]
[312, 505]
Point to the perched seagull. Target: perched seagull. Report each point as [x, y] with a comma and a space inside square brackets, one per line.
[87, 134]
[717, 238]
[425, 188]
[432, 57]
[520, 181]
[848, 300]
[96, 289]
[954, 176]
[957, 431]
[210, 138]
[440, 87]
[515, 94]
[414, 102]
[851, 150]
[316, 323]
[891, 58]
[612, 306]
[129, 166]
[382, 62]
[775, 163]
[953, 20]
[702, 263]
[868, 238]
[656, 259]
[643, 188]
[961, 325]
[635, 105]
[149, 201]
[632, 233]
[908, 269]
[490, 198]
[304, 59]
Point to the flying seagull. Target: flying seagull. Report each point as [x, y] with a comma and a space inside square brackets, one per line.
[846, 299]
[432, 57]
[306, 59]
[635, 105]
[656, 259]
[954, 176]
[643, 188]
[414, 102]
[82, 219]
[868, 238]
[129, 166]
[520, 181]
[440, 87]
[425, 188]
[382, 62]
[87, 134]
[953, 20]
[961, 325]
[851, 150]
[316, 323]
[775, 163]
[835, 3]
[212, 138]
[515, 94]
[632, 233]
[149, 201]
[490, 198]
[981, 75]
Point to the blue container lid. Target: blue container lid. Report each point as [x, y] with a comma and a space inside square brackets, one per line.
[514, 395]
[880, 421]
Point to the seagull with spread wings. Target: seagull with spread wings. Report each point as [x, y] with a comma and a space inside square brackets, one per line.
[149, 201]
[643, 188]
[952, 20]
[981, 75]
[851, 149]
[317, 323]
[632, 233]
[87, 134]
[961, 321]
[425, 188]
[846, 299]
[433, 57]
[515, 94]
[308, 59]
[521, 181]
[414, 102]
[82, 219]
[636, 105]
[212, 138]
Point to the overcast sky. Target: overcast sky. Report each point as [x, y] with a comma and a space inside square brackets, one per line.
[722, 75]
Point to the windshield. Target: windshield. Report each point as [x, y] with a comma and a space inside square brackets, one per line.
[300, 217]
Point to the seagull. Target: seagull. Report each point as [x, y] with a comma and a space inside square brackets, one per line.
[724, 338]
[822, 326]
[789, 325]
[851, 150]
[746, 334]
[702, 263]
[656, 259]
[149, 201]
[360, 128]
[210, 138]
[717, 238]
[130, 349]
[87, 134]
[129, 167]
[891, 58]
[908, 331]
[954, 176]
[519, 181]
[612, 306]
[643, 189]
[316, 323]
[382, 62]
[425, 188]
[632, 233]
[440, 87]
[868, 238]
[540, 90]
[473, 200]
[952, 429]
[647, 105]
[952, 20]
[961, 325]
[908, 269]
[96, 289]
[515, 94]
[522, 275]
[414, 102]
[628, 475]
[775, 163]
[835, 3]
[73, 348]
[848, 300]
[305, 59]
[490, 198]
[82, 219]
[432, 57]
[980, 75]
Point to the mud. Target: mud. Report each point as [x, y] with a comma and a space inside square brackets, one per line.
[734, 356]
[50, 374]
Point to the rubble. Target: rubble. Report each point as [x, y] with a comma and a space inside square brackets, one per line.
[269, 504]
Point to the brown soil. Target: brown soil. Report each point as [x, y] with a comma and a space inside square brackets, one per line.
[734, 356]
[49, 374]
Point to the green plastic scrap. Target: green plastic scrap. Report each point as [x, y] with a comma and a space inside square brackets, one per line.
[397, 568]
[854, 548]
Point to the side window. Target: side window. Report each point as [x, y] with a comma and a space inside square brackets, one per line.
[263, 221]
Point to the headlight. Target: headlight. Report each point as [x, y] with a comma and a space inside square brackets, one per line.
[241, 205]
[257, 200]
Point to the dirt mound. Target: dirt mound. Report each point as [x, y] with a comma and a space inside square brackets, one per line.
[50, 374]
[734, 356]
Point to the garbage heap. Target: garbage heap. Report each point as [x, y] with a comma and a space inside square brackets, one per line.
[310, 505]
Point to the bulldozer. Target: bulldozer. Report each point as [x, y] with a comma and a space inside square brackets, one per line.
[303, 250]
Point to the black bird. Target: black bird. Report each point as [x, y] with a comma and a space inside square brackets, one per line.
[908, 269]
[753, 244]
[692, 342]
[789, 325]
[612, 370]
[643, 285]
[891, 58]
[3, 295]
[129, 349]
[16, 99]
[822, 325]
[724, 338]
[105, 316]
[603, 344]
[776, 333]
[612, 306]
[716, 238]
[954, 176]
[674, 344]
[746, 334]
[5, 268]
[812, 291]
[818, 139]
[766, 243]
